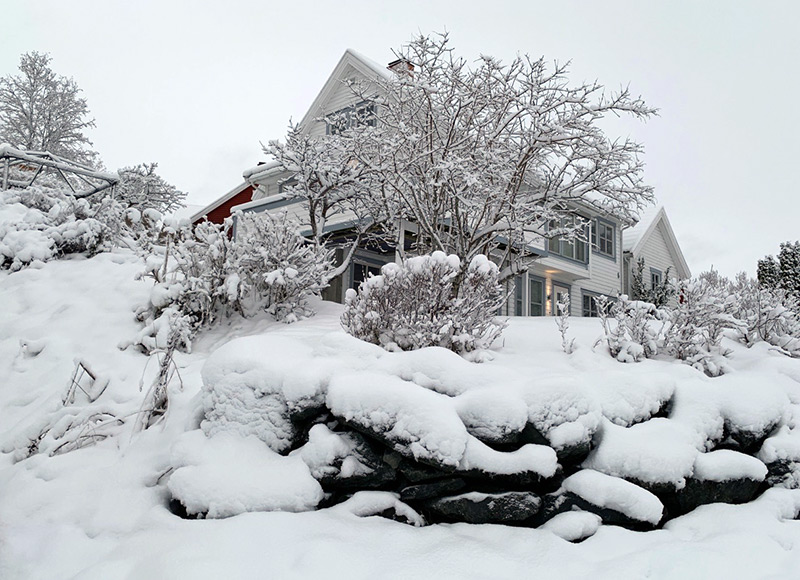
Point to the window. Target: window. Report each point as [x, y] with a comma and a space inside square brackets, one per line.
[589, 306]
[349, 117]
[518, 296]
[655, 277]
[603, 237]
[572, 248]
[536, 296]
[361, 272]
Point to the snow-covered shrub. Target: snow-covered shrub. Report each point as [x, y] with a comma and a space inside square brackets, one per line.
[562, 321]
[411, 305]
[41, 223]
[659, 294]
[277, 268]
[766, 313]
[694, 331]
[629, 328]
[203, 273]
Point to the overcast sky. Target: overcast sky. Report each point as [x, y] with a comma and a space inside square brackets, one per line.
[197, 85]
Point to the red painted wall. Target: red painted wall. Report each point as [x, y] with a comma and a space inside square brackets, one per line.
[218, 215]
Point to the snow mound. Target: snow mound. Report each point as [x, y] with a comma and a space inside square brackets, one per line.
[622, 496]
[257, 384]
[378, 503]
[573, 526]
[227, 475]
[727, 465]
[416, 422]
[535, 459]
[562, 412]
[656, 451]
[626, 400]
[492, 415]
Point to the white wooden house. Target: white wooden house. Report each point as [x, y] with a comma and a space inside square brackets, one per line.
[654, 241]
[582, 269]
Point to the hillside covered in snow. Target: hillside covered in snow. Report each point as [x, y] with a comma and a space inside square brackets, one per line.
[297, 451]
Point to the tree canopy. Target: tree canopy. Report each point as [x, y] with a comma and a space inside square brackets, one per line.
[43, 111]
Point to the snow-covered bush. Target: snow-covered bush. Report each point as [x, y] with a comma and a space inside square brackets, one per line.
[277, 268]
[410, 305]
[659, 294]
[562, 321]
[694, 332]
[203, 273]
[629, 328]
[766, 313]
[41, 223]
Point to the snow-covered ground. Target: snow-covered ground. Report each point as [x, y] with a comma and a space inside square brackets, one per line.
[101, 512]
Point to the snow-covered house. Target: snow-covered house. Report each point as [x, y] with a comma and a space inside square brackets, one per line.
[581, 269]
[653, 241]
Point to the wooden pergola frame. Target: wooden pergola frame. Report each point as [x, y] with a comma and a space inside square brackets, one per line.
[86, 181]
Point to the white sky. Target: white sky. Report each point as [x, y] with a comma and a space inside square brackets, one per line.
[196, 85]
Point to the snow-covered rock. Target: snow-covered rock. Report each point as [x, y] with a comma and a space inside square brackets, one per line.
[484, 508]
[415, 422]
[619, 501]
[226, 475]
[573, 526]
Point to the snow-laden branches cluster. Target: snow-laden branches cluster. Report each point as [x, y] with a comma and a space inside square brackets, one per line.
[330, 183]
[203, 273]
[627, 328]
[482, 157]
[707, 309]
[410, 305]
[142, 188]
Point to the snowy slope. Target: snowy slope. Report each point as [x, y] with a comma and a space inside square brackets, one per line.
[101, 512]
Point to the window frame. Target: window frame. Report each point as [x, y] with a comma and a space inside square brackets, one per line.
[656, 274]
[595, 238]
[555, 245]
[532, 279]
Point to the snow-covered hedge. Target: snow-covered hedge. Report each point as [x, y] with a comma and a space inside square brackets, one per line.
[422, 302]
[204, 272]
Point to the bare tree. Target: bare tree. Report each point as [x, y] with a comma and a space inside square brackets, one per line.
[330, 182]
[484, 157]
[42, 111]
[141, 187]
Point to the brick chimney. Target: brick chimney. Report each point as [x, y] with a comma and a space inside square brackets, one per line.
[401, 66]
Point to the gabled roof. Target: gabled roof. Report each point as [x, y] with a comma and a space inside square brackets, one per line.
[366, 67]
[634, 239]
[218, 202]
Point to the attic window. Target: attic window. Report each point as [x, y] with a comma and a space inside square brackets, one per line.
[349, 117]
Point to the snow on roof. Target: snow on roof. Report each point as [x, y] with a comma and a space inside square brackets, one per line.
[253, 174]
[631, 236]
[376, 68]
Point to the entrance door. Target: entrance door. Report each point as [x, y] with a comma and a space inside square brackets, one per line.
[560, 293]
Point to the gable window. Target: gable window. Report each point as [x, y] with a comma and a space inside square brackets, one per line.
[536, 296]
[603, 236]
[573, 248]
[349, 117]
